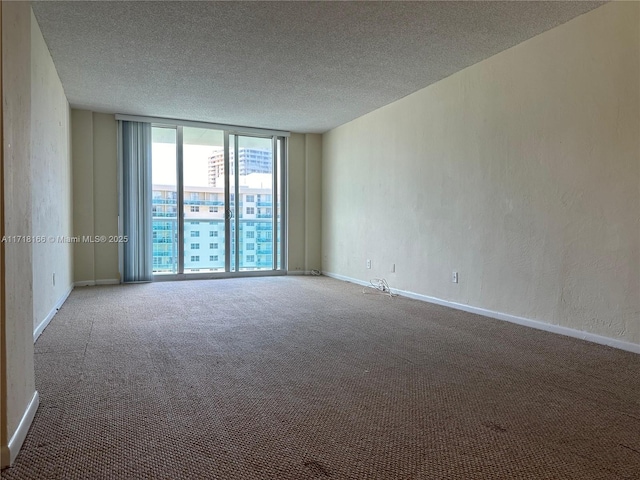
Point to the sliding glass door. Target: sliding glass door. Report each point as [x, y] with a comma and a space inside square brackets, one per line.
[164, 202]
[216, 201]
[254, 185]
[203, 200]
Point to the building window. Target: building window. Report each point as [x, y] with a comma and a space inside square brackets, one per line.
[251, 258]
[195, 223]
[195, 246]
[251, 210]
[195, 258]
[195, 208]
[249, 198]
[250, 246]
[213, 258]
[251, 234]
[195, 233]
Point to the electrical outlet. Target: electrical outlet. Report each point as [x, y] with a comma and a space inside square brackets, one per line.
[368, 263]
[454, 277]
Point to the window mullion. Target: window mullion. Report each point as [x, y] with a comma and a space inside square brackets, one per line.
[180, 201]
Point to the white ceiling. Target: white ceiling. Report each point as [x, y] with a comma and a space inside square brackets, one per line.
[298, 66]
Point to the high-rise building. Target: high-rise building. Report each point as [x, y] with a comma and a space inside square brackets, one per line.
[250, 160]
[204, 229]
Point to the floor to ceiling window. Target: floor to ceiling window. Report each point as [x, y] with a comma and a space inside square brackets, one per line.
[217, 201]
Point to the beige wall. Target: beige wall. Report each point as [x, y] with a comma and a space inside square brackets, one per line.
[37, 202]
[4, 453]
[313, 202]
[304, 189]
[105, 188]
[295, 220]
[95, 196]
[82, 155]
[18, 386]
[521, 172]
[51, 179]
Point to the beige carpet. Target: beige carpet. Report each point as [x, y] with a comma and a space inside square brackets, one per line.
[307, 378]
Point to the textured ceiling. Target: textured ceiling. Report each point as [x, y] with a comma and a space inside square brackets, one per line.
[299, 66]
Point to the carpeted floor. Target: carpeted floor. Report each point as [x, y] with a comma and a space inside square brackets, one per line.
[307, 378]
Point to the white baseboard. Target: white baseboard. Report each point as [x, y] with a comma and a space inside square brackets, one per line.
[548, 327]
[17, 439]
[43, 324]
[93, 283]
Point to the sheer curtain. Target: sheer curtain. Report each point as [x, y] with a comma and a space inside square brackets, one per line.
[135, 201]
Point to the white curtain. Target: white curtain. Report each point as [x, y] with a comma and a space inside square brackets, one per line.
[136, 191]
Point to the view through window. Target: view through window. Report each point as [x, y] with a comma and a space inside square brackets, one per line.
[202, 220]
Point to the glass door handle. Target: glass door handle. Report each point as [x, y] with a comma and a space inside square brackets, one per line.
[229, 214]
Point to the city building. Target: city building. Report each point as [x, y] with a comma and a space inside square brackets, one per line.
[250, 160]
[204, 229]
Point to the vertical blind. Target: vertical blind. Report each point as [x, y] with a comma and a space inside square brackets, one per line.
[135, 197]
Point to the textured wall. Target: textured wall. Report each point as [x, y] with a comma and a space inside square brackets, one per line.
[521, 173]
[82, 155]
[105, 185]
[51, 176]
[95, 195]
[313, 201]
[304, 217]
[17, 368]
[295, 214]
[4, 449]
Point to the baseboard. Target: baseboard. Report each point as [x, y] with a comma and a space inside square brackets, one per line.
[348, 279]
[548, 327]
[17, 439]
[43, 324]
[93, 283]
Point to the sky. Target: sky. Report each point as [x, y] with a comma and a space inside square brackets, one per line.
[195, 168]
[198, 144]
